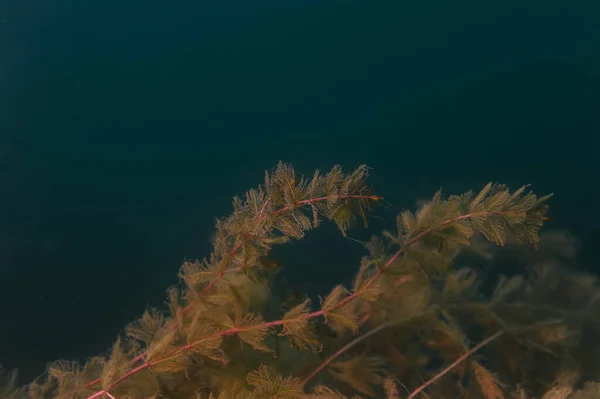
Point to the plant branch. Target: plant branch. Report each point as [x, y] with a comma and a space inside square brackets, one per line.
[349, 298]
[220, 275]
[344, 349]
[455, 363]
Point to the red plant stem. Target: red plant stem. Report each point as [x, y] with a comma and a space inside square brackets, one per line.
[319, 312]
[455, 363]
[349, 298]
[233, 251]
[262, 208]
[344, 349]
[261, 219]
[408, 244]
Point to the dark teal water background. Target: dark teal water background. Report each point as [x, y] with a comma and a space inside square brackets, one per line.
[127, 126]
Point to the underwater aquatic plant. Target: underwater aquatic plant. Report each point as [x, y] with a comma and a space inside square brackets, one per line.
[409, 313]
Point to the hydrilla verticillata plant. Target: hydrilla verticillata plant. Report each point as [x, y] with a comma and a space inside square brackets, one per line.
[403, 329]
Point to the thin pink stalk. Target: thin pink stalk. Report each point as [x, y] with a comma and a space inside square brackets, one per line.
[233, 251]
[344, 349]
[262, 219]
[455, 363]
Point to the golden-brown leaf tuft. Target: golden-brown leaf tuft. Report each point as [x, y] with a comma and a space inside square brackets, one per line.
[339, 315]
[252, 330]
[268, 384]
[360, 372]
[297, 328]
